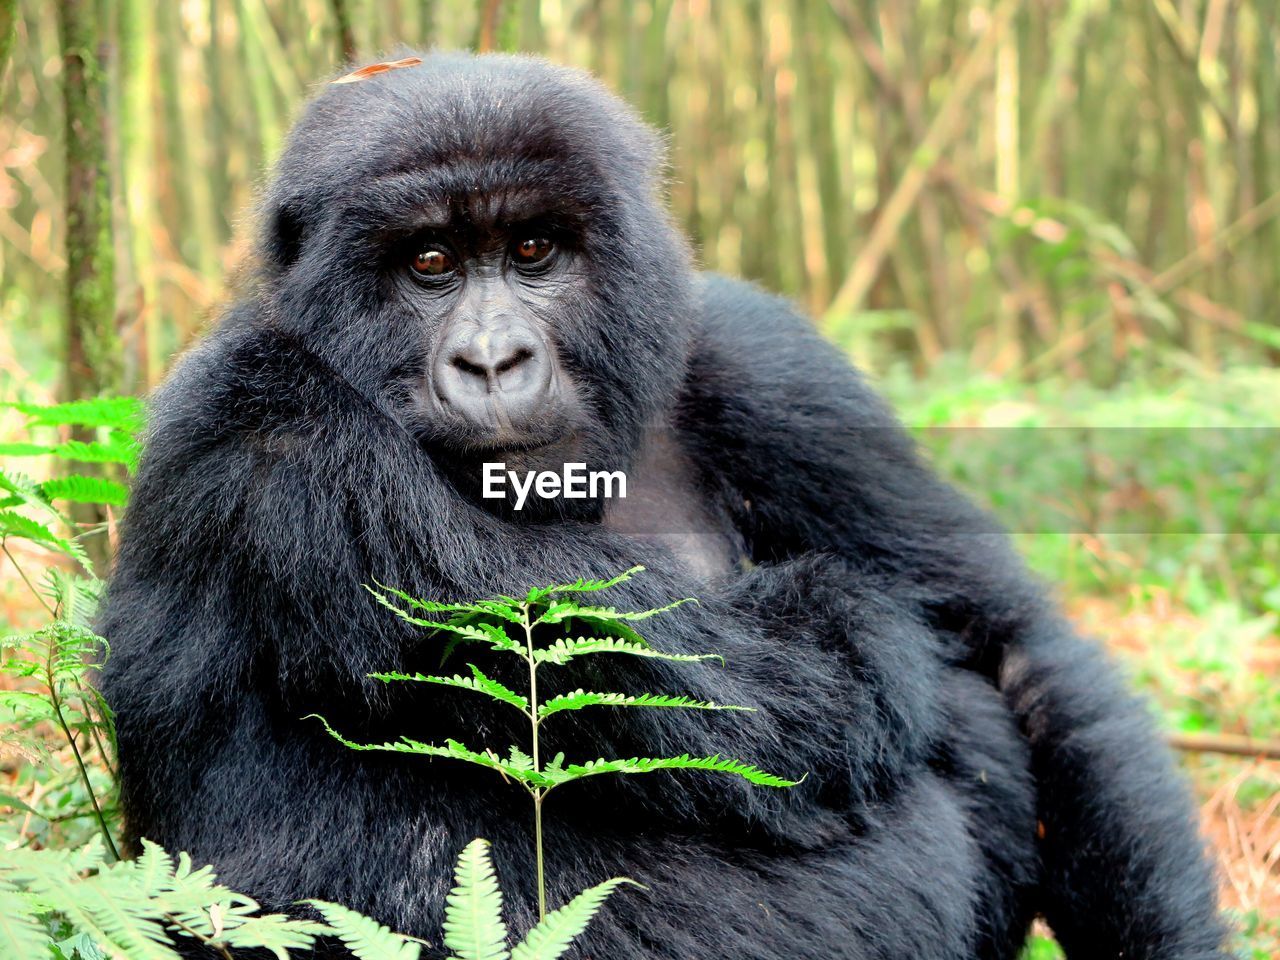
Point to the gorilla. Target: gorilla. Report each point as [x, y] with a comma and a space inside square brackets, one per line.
[468, 261]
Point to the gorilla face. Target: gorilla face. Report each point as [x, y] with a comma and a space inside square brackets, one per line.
[492, 285]
[478, 246]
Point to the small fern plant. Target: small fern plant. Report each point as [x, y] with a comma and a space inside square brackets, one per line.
[36, 518]
[507, 625]
[81, 905]
[473, 924]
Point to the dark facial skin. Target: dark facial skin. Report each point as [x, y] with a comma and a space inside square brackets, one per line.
[492, 384]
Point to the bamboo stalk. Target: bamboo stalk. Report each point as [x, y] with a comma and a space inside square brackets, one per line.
[347, 50]
[137, 139]
[8, 28]
[946, 124]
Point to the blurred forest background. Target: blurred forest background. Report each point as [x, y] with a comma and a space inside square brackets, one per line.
[1049, 228]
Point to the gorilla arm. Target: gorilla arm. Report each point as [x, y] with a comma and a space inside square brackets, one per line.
[821, 464]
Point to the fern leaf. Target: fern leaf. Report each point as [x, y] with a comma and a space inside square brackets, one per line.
[366, 938]
[566, 610]
[122, 413]
[478, 682]
[715, 764]
[564, 650]
[489, 633]
[26, 492]
[452, 750]
[16, 525]
[106, 906]
[22, 934]
[591, 586]
[473, 925]
[81, 489]
[276, 933]
[485, 607]
[75, 598]
[584, 698]
[154, 868]
[116, 449]
[24, 450]
[553, 934]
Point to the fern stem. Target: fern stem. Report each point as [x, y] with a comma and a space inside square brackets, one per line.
[538, 793]
[75, 750]
[23, 574]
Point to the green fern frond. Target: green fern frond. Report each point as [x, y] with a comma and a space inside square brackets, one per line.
[16, 525]
[716, 764]
[568, 610]
[24, 450]
[518, 758]
[109, 910]
[22, 933]
[584, 698]
[582, 585]
[480, 607]
[481, 632]
[81, 489]
[564, 650]
[366, 938]
[452, 749]
[553, 935]
[121, 413]
[478, 682]
[76, 598]
[154, 868]
[117, 448]
[282, 936]
[23, 491]
[473, 924]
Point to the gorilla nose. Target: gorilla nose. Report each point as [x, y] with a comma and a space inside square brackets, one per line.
[493, 375]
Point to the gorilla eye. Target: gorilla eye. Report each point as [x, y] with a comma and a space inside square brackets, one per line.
[432, 262]
[532, 250]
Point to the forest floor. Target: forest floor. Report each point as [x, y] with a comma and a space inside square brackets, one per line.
[1239, 796]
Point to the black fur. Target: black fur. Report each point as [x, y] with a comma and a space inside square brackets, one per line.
[897, 650]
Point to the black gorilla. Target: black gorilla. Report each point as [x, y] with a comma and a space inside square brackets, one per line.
[467, 261]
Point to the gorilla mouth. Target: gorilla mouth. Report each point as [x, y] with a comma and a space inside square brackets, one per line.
[456, 437]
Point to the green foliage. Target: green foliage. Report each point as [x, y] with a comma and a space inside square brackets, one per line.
[473, 924]
[366, 938]
[487, 622]
[490, 623]
[29, 510]
[582, 698]
[75, 903]
[64, 891]
[1161, 482]
[1038, 947]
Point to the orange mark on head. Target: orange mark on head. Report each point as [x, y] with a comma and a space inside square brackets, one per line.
[373, 69]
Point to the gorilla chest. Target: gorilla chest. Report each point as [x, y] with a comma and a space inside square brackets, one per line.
[666, 504]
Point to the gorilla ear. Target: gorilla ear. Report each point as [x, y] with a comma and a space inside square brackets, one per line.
[282, 233]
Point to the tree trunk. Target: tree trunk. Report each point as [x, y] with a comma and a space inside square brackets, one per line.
[93, 354]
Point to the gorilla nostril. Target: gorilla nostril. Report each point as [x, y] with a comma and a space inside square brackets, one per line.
[513, 361]
[461, 363]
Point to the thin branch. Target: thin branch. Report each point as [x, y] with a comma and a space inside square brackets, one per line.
[23, 574]
[1226, 743]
